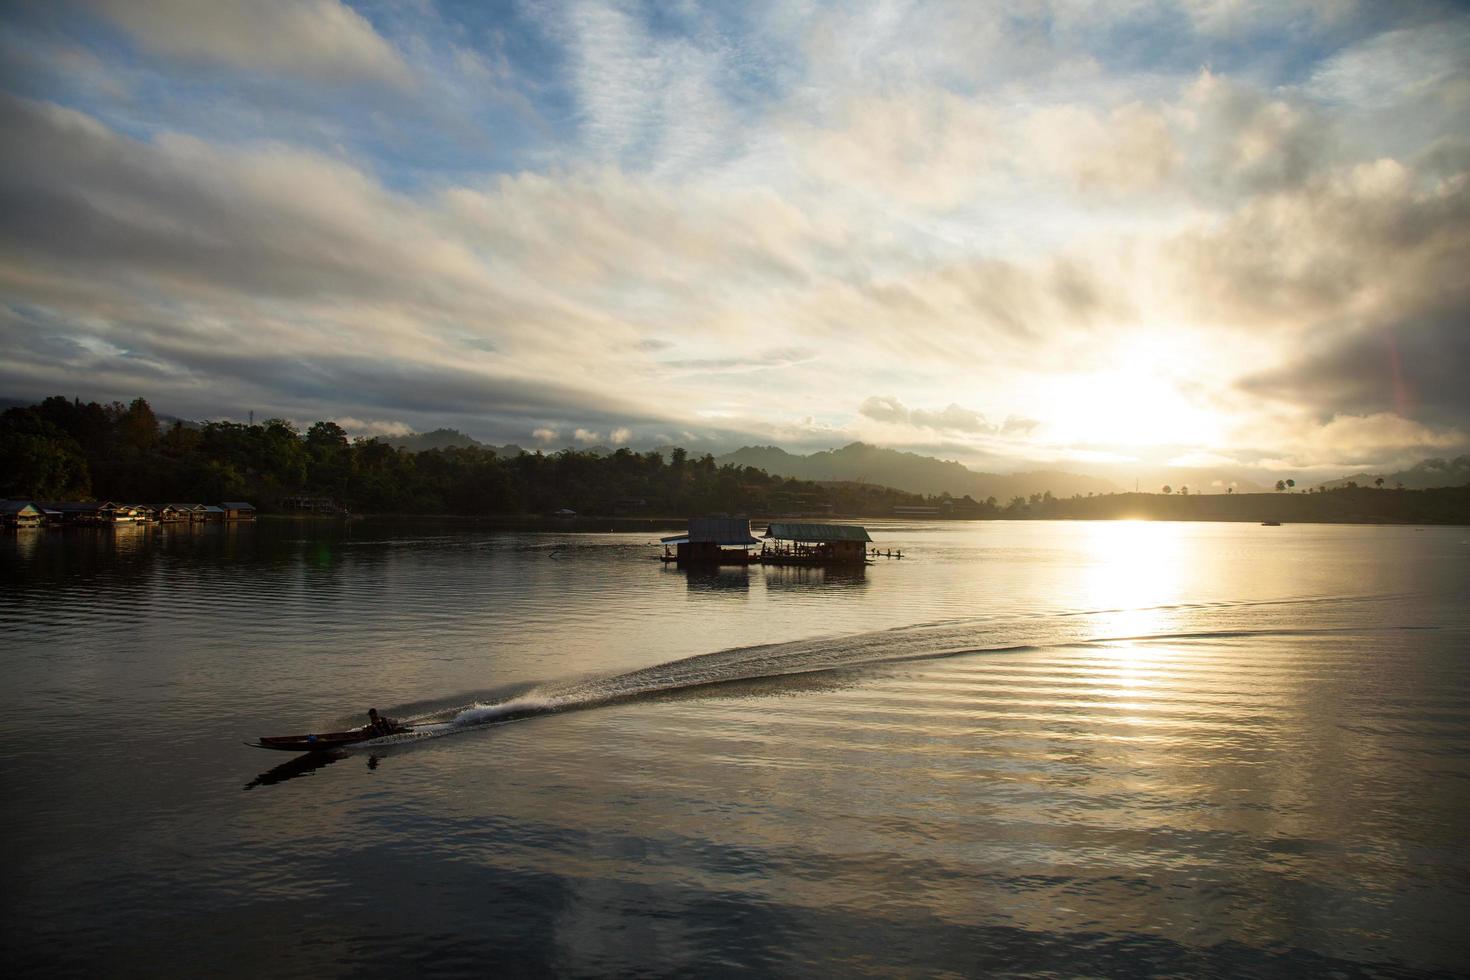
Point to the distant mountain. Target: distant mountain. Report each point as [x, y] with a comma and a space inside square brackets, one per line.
[1423, 475]
[862, 463]
[418, 442]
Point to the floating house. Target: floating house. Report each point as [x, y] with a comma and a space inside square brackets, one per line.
[815, 544]
[180, 513]
[92, 512]
[19, 513]
[712, 541]
[238, 510]
[210, 513]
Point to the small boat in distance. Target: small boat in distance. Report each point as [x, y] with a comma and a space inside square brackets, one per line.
[1270, 524]
[324, 741]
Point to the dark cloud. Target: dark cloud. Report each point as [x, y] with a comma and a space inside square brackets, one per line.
[1377, 261]
[81, 198]
[1414, 368]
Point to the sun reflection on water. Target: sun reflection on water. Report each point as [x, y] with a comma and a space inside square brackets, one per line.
[1136, 571]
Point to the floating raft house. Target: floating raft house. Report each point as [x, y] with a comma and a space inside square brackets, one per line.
[712, 541]
[816, 544]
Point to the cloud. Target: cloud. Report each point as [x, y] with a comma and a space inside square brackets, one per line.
[771, 359]
[586, 437]
[1393, 67]
[952, 418]
[579, 215]
[1364, 441]
[1018, 425]
[620, 436]
[544, 435]
[322, 40]
[1203, 461]
[648, 97]
[1370, 264]
[1129, 149]
[370, 428]
[1244, 140]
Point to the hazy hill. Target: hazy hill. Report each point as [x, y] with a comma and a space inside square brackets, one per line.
[1423, 475]
[418, 442]
[860, 462]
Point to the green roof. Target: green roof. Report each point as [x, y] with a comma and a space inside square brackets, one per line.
[817, 532]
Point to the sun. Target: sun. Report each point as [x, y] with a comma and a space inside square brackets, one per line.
[1140, 400]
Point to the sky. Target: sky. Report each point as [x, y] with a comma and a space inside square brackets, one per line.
[1218, 235]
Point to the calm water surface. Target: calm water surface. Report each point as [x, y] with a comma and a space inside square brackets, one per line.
[1029, 749]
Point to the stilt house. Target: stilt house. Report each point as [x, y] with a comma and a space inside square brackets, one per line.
[712, 541]
[815, 544]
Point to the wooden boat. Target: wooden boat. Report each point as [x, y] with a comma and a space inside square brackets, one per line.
[323, 741]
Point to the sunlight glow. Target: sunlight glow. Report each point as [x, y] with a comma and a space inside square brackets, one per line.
[1135, 401]
[1136, 574]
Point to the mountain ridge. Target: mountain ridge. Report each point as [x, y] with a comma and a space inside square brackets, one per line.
[860, 462]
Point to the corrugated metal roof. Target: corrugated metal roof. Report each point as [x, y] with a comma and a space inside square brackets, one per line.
[236, 505]
[716, 530]
[818, 532]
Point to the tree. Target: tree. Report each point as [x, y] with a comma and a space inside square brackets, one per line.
[1168, 489]
[1184, 491]
[1290, 484]
[137, 426]
[1280, 485]
[1378, 483]
[281, 453]
[39, 460]
[326, 439]
[179, 441]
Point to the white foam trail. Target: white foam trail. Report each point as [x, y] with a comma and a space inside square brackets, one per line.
[482, 714]
[908, 643]
[473, 716]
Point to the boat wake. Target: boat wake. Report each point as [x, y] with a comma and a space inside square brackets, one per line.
[929, 641]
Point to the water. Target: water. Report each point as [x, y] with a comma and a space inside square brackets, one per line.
[1029, 749]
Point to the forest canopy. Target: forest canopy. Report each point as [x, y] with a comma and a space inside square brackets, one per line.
[64, 449]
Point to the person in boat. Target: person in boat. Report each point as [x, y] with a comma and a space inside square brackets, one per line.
[380, 725]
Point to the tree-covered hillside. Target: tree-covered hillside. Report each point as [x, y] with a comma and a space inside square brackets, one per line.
[60, 449]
